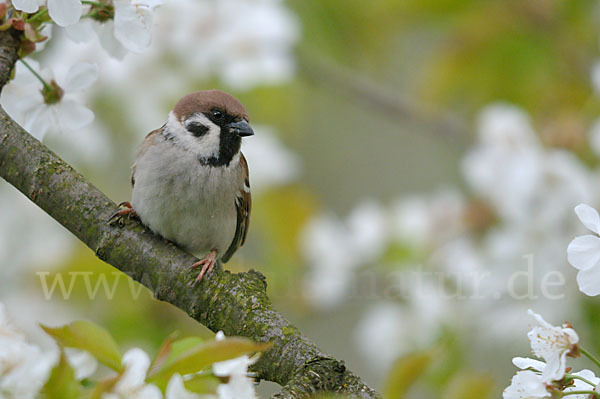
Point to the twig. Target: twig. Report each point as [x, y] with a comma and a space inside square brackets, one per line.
[394, 105]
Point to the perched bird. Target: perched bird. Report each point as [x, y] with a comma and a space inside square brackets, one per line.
[190, 179]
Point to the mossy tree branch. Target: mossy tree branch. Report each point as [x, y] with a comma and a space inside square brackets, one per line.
[235, 303]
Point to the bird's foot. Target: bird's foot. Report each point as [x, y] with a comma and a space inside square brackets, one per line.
[118, 215]
[207, 263]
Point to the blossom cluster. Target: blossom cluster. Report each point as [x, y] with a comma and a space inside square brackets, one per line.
[518, 200]
[549, 378]
[24, 368]
[132, 19]
[26, 371]
[245, 43]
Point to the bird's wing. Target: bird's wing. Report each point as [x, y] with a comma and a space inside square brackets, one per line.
[146, 144]
[243, 203]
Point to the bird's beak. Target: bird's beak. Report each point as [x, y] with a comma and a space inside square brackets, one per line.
[241, 128]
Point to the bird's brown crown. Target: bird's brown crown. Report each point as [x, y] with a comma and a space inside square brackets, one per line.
[207, 100]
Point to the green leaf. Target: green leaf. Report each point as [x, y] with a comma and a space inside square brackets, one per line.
[88, 337]
[469, 386]
[200, 356]
[62, 383]
[170, 350]
[404, 373]
[202, 384]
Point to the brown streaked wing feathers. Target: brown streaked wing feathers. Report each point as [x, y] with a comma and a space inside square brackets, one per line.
[147, 143]
[243, 204]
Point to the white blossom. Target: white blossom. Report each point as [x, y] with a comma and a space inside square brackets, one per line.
[7, 329]
[67, 113]
[335, 249]
[24, 368]
[82, 362]
[526, 385]
[583, 252]
[131, 384]
[239, 386]
[87, 30]
[525, 363]
[237, 366]
[505, 125]
[133, 23]
[552, 344]
[29, 6]
[525, 182]
[65, 12]
[62, 12]
[176, 389]
[327, 249]
[390, 329]
[254, 45]
[245, 43]
[422, 221]
[130, 30]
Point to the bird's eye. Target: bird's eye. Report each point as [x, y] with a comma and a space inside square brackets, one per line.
[217, 113]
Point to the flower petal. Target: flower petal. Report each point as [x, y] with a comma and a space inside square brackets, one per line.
[589, 281]
[109, 42]
[133, 25]
[584, 252]
[26, 5]
[148, 392]
[80, 76]
[82, 362]
[539, 319]
[555, 367]
[176, 389]
[525, 363]
[526, 384]
[73, 115]
[136, 363]
[589, 217]
[238, 387]
[237, 366]
[65, 12]
[39, 121]
[81, 32]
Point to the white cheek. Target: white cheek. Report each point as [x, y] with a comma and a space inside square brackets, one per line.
[206, 146]
[211, 140]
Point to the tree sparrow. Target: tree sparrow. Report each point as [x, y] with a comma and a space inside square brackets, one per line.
[190, 179]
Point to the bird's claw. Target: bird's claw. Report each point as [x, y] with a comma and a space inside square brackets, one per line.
[118, 215]
[207, 263]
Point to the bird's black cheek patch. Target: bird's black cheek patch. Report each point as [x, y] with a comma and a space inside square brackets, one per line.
[197, 129]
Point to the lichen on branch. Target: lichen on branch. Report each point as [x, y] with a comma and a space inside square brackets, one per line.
[237, 304]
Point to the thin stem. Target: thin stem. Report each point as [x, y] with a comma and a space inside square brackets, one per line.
[576, 377]
[590, 356]
[37, 75]
[92, 3]
[37, 15]
[596, 394]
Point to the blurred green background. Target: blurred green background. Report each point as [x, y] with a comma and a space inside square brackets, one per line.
[383, 104]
